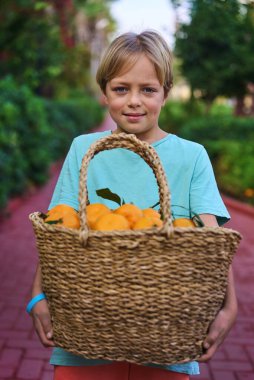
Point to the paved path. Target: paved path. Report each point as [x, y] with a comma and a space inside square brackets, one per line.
[22, 356]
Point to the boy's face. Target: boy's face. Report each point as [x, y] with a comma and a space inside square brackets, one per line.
[135, 98]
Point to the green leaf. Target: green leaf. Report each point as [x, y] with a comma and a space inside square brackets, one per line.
[107, 194]
[58, 221]
[43, 216]
[198, 221]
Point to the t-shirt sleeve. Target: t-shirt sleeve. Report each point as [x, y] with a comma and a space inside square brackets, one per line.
[67, 187]
[204, 194]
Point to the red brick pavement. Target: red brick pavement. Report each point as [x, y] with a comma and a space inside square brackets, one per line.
[21, 355]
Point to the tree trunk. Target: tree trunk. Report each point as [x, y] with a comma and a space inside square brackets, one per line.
[239, 106]
[250, 88]
[208, 106]
[64, 9]
[252, 105]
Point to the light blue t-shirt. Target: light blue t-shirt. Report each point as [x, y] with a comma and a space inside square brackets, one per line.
[191, 182]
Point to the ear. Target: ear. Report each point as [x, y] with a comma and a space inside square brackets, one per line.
[165, 98]
[104, 99]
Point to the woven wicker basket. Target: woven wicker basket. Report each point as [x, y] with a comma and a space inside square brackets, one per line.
[144, 296]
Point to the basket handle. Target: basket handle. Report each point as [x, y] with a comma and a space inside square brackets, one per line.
[144, 150]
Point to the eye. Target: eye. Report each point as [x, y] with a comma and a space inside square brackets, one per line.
[120, 89]
[149, 90]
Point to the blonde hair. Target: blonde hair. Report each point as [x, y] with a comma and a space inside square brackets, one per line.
[124, 52]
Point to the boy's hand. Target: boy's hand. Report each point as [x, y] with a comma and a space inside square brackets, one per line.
[226, 317]
[218, 331]
[42, 323]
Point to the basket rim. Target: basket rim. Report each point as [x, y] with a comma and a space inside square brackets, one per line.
[36, 218]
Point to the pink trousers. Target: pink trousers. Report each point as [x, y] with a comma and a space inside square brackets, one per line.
[116, 371]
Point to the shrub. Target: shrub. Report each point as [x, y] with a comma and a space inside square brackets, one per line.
[172, 116]
[228, 140]
[34, 132]
[212, 128]
[23, 137]
[70, 118]
[234, 167]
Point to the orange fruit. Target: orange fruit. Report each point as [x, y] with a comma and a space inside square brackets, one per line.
[131, 212]
[53, 217]
[151, 213]
[146, 222]
[62, 209]
[71, 221]
[183, 222]
[111, 221]
[94, 211]
[63, 216]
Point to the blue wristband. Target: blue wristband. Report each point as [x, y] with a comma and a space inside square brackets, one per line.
[34, 301]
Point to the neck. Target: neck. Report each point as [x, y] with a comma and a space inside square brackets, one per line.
[149, 137]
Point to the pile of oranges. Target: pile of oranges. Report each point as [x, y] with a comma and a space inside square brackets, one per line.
[125, 217]
[102, 218]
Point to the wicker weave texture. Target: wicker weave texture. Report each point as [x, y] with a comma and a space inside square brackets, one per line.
[142, 296]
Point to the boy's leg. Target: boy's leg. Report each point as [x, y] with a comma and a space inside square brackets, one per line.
[112, 371]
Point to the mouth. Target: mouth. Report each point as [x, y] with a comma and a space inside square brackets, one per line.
[134, 114]
[134, 117]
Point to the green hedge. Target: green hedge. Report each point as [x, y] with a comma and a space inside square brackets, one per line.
[228, 140]
[34, 132]
[70, 118]
[216, 128]
[234, 167]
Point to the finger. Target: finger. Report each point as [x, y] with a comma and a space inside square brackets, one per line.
[42, 324]
[208, 354]
[41, 312]
[41, 333]
[210, 339]
[46, 325]
[213, 338]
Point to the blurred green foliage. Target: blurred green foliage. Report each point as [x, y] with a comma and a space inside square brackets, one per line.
[35, 131]
[234, 162]
[30, 44]
[44, 85]
[40, 44]
[70, 118]
[228, 140]
[216, 48]
[24, 135]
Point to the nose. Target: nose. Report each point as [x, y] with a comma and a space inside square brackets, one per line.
[134, 99]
